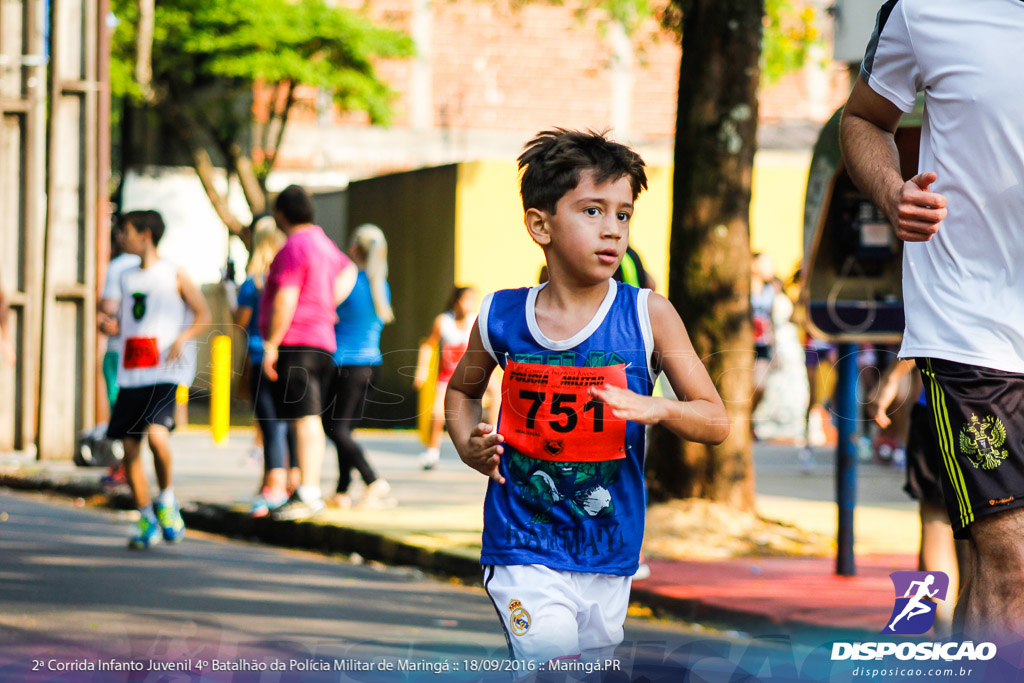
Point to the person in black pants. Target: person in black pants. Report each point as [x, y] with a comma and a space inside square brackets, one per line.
[361, 317]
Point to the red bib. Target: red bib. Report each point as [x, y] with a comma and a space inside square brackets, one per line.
[547, 414]
[141, 352]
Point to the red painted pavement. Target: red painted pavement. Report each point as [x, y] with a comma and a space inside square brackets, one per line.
[783, 590]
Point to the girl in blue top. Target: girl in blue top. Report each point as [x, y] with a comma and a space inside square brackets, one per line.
[361, 317]
[267, 240]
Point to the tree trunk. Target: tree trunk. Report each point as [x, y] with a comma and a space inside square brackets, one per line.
[709, 274]
[144, 48]
[187, 129]
[251, 186]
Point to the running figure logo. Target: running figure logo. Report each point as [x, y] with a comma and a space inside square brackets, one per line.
[916, 593]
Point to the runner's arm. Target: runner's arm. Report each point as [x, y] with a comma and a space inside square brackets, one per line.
[866, 134]
[193, 298]
[344, 282]
[286, 300]
[699, 415]
[478, 443]
[888, 386]
[106, 320]
[423, 357]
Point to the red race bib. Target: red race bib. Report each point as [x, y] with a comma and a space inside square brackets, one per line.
[141, 352]
[547, 414]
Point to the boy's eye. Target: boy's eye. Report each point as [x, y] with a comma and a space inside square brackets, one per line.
[592, 211]
[623, 216]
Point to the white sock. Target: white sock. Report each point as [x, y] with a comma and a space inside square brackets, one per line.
[309, 493]
[166, 498]
[433, 453]
[147, 512]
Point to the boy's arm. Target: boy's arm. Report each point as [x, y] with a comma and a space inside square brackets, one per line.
[478, 443]
[193, 298]
[699, 415]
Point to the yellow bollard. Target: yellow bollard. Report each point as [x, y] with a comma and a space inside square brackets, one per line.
[220, 389]
[181, 409]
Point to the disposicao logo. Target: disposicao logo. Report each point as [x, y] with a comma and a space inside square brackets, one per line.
[914, 611]
[914, 614]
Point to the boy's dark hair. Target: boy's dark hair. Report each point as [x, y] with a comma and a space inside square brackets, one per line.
[553, 161]
[145, 220]
[295, 204]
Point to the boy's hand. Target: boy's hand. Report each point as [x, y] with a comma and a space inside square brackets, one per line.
[483, 451]
[626, 404]
[174, 353]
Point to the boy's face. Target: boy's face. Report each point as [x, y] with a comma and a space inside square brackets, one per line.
[133, 241]
[587, 235]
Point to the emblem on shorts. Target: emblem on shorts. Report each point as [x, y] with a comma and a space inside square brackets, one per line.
[519, 621]
[981, 440]
[138, 305]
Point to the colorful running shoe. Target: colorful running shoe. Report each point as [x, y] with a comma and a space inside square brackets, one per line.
[171, 523]
[147, 534]
[266, 501]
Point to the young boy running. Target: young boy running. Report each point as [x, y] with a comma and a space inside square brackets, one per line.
[564, 510]
[162, 313]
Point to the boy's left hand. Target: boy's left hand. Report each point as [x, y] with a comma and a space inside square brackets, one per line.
[626, 404]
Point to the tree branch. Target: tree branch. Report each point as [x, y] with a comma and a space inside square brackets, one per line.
[144, 49]
[289, 101]
[186, 127]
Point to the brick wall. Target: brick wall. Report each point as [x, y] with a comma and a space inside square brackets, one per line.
[509, 70]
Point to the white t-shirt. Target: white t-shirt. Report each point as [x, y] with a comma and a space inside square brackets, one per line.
[963, 290]
[112, 288]
[153, 314]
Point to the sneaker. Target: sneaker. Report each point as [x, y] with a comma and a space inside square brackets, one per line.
[147, 534]
[429, 458]
[376, 495]
[340, 500]
[806, 458]
[115, 476]
[266, 501]
[297, 508]
[171, 523]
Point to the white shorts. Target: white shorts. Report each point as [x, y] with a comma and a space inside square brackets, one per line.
[549, 614]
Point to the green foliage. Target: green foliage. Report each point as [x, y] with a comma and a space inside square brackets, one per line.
[788, 33]
[226, 46]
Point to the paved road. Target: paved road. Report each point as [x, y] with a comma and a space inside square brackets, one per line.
[72, 595]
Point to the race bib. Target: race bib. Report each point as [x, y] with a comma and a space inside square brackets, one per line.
[547, 414]
[141, 352]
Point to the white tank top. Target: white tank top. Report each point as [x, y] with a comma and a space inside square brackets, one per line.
[454, 341]
[153, 314]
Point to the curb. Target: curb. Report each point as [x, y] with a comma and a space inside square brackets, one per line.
[331, 539]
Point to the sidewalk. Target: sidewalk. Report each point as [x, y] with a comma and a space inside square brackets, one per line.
[436, 524]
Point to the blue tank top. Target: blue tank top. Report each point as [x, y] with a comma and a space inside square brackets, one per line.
[249, 297]
[358, 329]
[570, 516]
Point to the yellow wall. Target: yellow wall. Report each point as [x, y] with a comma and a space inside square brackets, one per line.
[777, 208]
[493, 250]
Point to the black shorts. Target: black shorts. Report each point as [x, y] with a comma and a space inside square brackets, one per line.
[924, 464]
[303, 376]
[137, 408]
[978, 415]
